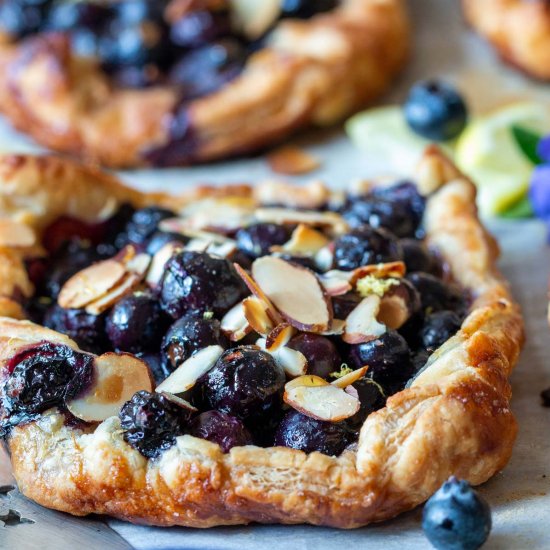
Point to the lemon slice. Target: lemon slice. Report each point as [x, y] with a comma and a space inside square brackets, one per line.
[488, 153]
[387, 142]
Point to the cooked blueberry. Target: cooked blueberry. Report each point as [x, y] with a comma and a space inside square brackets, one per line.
[84, 42]
[438, 328]
[68, 16]
[388, 358]
[87, 330]
[456, 517]
[160, 238]
[151, 422]
[304, 9]
[204, 70]
[244, 381]
[256, 240]
[65, 230]
[193, 332]
[304, 261]
[137, 11]
[198, 282]
[22, 17]
[416, 256]
[371, 396]
[225, 430]
[435, 110]
[321, 354]
[156, 366]
[144, 223]
[136, 323]
[200, 27]
[301, 432]
[363, 246]
[41, 377]
[436, 295]
[344, 304]
[419, 360]
[405, 193]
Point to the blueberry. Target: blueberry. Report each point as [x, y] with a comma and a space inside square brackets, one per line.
[438, 328]
[456, 517]
[191, 333]
[406, 193]
[416, 256]
[256, 240]
[151, 422]
[198, 282]
[371, 396]
[304, 9]
[144, 223]
[200, 27]
[363, 246]
[344, 304]
[156, 366]
[388, 358]
[41, 377]
[244, 381]
[301, 432]
[86, 329]
[435, 110]
[137, 11]
[321, 354]
[304, 261]
[22, 17]
[436, 295]
[160, 238]
[225, 430]
[136, 323]
[69, 16]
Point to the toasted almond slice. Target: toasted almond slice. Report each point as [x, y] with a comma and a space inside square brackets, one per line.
[158, 262]
[336, 282]
[337, 327]
[234, 323]
[257, 316]
[187, 374]
[312, 195]
[331, 220]
[324, 257]
[90, 284]
[352, 391]
[309, 380]
[255, 18]
[223, 250]
[394, 311]
[128, 284]
[279, 336]
[295, 291]
[292, 160]
[304, 240]
[116, 378]
[16, 234]
[362, 324]
[197, 245]
[293, 362]
[179, 225]
[349, 378]
[179, 401]
[224, 215]
[328, 403]
[138, 264]
[389, 269]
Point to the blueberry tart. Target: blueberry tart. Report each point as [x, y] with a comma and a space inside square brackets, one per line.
[242, 354]
[174, 82]
[519, 30]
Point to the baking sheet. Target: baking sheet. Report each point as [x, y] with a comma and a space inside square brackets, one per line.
[519, 495]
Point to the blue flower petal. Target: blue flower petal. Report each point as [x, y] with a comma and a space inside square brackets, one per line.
[539, 192]
[543, 148]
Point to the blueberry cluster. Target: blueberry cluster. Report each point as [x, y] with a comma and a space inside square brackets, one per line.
[147, 42]
[239, 400]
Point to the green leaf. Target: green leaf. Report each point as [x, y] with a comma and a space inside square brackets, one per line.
[527, 141]
[520, 209]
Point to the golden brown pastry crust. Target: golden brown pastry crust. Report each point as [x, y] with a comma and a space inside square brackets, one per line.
[518, 29]
[313, 72]
[453, 419]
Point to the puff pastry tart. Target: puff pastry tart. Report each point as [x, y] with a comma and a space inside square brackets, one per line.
[518, 29]
[140, 82]
[267, 354]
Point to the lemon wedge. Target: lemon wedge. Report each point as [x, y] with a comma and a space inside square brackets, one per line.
[488, 153]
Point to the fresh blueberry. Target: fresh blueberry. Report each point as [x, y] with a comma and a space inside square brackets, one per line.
[321, 354]
[191, 333]
[436, 111]
[456, 517]
[198, 282]
[136, 323]
[225, 430]
[438, 328]
[301, 432]
[363, 246]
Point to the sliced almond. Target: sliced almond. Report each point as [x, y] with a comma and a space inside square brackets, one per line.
[116, 378]
[197, 245]
[279, 336]
[362, 323]
[293, 362]
[336, 282]
[324, 257]
[234, 323]
[337, 327]
[312, 195]
[303, 241]
[179, 401]
[254, 18]
[394, 311]
[139, 264]
[349, 378]
[309, 380]
[256, 314]
[90, 284]
[129, 283]
[388, 269]
[179, 225]
[330, 220]
[158, 262]
[187, 374]
[292, 160]
[16, 234]
[222, 250]
[327, 403]
[295, 291]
